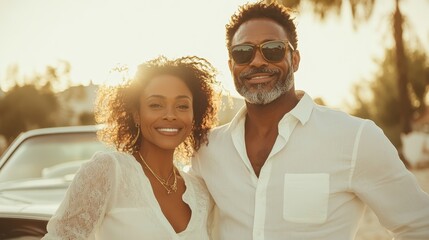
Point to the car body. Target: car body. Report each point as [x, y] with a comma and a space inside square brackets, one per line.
[35, 172]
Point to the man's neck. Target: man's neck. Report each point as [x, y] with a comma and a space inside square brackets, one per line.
[266, 116]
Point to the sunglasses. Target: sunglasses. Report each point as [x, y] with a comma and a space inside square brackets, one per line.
[272, 51]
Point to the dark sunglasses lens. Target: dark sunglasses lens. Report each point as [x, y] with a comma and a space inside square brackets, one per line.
[274, 51]
[242, 54]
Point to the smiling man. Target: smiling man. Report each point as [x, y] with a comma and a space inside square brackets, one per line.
[287, 168]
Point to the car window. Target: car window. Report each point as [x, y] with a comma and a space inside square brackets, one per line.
[54, 155]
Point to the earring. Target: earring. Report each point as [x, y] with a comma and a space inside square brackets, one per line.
[133, 142]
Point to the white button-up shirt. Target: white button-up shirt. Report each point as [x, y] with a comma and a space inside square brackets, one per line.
[323, 169]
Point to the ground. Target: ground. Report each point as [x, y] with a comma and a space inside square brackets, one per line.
[371, 229]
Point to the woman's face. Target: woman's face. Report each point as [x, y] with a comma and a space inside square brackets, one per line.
[166, 114]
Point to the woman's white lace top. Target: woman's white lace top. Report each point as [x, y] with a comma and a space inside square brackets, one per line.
[111, 198]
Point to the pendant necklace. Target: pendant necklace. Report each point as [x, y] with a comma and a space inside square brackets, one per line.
[168, 187]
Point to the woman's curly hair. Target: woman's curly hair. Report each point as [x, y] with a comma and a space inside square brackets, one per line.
[273, 11]
[115, 105]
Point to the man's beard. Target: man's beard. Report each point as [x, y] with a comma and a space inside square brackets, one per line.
[262, 96]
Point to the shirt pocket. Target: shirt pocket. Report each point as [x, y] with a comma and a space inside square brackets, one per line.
[306, 197]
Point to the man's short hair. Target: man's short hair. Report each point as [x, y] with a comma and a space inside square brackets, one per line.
[273, 11]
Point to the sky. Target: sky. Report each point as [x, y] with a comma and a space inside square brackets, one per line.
[97, 35]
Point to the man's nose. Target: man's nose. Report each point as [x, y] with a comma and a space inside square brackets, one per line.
[258, 60]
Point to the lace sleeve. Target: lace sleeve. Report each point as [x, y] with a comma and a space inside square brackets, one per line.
[85, 202]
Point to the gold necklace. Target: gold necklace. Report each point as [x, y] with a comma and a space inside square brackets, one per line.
[169, 187]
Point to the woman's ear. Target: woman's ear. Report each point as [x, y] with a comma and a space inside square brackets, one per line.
[136, 117]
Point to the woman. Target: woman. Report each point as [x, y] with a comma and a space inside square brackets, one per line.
[136, 192]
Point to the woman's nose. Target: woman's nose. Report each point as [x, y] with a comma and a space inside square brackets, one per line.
[170, 115]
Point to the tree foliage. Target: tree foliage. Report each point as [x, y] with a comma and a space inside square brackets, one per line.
[26, 107]
[31, 102]
[86, 118]
[361, 10]
[379, 98]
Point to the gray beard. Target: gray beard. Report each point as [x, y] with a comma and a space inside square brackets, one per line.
[263, 96]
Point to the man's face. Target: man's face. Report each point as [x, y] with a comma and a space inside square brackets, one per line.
[260, 81]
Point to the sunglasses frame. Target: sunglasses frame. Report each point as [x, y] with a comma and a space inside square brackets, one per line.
[259, 47]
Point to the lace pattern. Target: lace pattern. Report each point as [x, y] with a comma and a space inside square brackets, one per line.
[199, 200]
[129, 182]
[85, 201]
[110, 194]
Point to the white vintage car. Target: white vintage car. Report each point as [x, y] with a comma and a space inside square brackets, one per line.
[35, 172]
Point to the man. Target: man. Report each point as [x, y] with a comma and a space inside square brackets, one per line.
[286, 168]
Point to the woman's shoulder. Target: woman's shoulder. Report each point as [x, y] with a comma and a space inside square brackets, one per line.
[107, 159]
[110, 156]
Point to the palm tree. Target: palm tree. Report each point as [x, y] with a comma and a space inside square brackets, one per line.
[362, 10]
[402, 68]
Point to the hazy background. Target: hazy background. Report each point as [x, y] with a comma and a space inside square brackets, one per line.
[57, 52]
[54, 53]
[95, 35]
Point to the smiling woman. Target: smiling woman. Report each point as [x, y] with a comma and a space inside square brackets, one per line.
[165, 113]
[117, 105]
[166, 110]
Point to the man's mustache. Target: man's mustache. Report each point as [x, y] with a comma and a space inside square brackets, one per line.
[252, 71]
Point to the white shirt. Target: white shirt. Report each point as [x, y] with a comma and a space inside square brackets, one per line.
[324, 167]
[111, 198]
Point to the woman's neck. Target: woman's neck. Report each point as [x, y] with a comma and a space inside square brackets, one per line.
[159, 161]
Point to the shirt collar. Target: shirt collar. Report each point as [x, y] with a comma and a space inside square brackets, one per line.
[239, 117]
[301, 111]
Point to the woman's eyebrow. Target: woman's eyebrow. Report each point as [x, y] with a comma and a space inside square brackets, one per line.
[163, 97]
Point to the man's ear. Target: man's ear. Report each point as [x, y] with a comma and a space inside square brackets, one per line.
[296, 58]
[230, 65]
